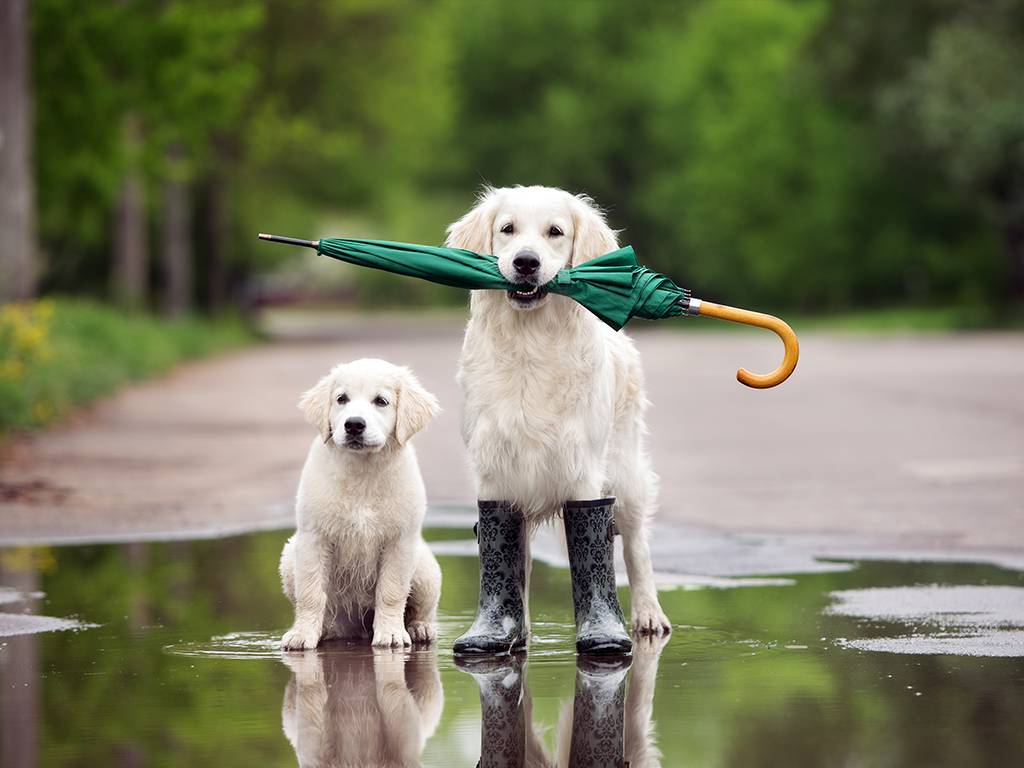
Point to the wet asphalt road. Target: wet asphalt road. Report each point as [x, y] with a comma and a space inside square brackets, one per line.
[914, 441]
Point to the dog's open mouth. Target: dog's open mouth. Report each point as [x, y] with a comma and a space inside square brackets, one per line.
[355, 445]
[528, 297]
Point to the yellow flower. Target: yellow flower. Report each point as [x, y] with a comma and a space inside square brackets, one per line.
[25, 329]
[22, 559]
[42, 411]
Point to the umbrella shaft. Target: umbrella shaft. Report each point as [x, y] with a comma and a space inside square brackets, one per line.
[290, 240]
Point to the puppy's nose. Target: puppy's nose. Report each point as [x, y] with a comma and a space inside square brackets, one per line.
[355, 426]
[526, 263]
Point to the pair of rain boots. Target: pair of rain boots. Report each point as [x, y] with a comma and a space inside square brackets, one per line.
[500, 625]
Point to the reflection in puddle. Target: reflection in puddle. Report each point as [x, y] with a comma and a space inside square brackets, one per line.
[184, 669]
[19, 574]
[603, 725]
[361, 706]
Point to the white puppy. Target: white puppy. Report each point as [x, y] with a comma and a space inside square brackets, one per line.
[358, 559]
[553, 397]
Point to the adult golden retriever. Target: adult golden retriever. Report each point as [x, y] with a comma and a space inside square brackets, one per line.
[553, 398]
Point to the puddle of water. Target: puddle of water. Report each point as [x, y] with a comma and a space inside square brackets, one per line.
[183, 669]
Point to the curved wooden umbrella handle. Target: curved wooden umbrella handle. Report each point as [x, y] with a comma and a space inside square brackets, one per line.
[761, 320]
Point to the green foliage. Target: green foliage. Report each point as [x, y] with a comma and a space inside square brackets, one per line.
[811, 154]
[964, 98]
[765, 168]
[58, 354]
[179, 71]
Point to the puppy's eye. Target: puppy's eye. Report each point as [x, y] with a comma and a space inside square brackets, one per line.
[380, 402]
[508, 229]
[555, 232]
[342, 399]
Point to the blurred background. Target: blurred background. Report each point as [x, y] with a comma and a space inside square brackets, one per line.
[811, 157]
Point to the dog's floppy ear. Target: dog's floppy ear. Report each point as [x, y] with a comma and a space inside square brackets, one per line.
[315, 403]
[593, 237]
[473, 231]
[414, 409]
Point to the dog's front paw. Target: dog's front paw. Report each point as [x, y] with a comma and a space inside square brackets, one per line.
[390, 636]
[300, 638]
[422, 631]
[649, 619]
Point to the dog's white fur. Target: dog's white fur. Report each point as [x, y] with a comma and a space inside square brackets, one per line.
[554, 398]
[358, 557]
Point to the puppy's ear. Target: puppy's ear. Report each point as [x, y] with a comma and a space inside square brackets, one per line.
[414, 409]
[473, 231]
[315, 403]
[593, 237]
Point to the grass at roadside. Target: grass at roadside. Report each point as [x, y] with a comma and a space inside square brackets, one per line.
[885, 321]
[912, 320]
[59, 354]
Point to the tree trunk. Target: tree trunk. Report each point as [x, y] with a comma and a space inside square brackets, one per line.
[17, 196]
[131, 254]
[176, 237]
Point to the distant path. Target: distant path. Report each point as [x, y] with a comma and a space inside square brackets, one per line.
[919, 439]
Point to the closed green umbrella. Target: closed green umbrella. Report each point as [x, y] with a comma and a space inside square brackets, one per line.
[614, 286]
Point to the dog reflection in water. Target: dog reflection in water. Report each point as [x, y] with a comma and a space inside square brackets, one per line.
[607, 725]
[361, 706]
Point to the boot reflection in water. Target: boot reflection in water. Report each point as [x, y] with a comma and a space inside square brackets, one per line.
[597, 713]
[372, 707]
[608, 722]
[502, 708]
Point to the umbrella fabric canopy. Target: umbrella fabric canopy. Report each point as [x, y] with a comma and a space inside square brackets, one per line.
[613, 286]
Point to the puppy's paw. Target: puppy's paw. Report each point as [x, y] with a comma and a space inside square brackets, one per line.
[649, 619]
[390, 636]
[307, 667]
[300, 638]
[422, 631]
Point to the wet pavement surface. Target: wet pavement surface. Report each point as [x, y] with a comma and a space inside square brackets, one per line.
[165, 653]
[917, 439]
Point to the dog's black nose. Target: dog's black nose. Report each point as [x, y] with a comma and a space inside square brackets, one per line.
[526, 263]
[355, 426]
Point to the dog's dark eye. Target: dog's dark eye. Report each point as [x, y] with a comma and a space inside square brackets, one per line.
[380, 402]
[555, 232]
[508, 229]
[342, 399]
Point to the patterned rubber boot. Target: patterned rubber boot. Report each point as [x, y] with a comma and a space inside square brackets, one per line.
[590, 536]
[598, 712]
[500, 625]
[502, 710]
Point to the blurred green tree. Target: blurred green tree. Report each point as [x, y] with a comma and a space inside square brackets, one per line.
[964, 102]
[811, 153]
[129, 98]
